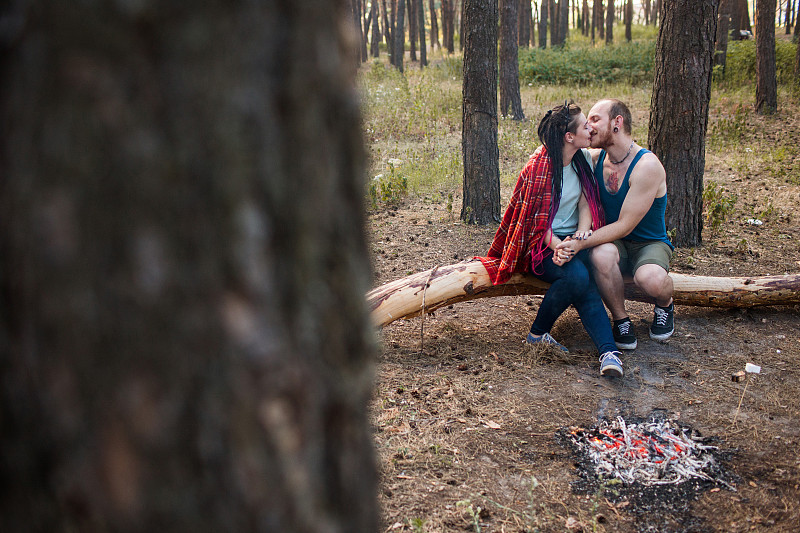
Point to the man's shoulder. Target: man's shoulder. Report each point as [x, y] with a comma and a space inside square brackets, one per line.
[649, 168]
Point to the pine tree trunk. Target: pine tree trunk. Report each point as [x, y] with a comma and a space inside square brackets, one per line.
[399, 48]
[412, 27]
[509, 64]
[434, 27]
[375, 43]
[423, 49]
[601, 25]
[524, 23]
[481, 189]
[679, 109]
[184, 344]
[554, 25]
[563, 21]
[628, 20]
[586, 24]
[543, 15]
[766, 77]
[721, 48]
[610, 22]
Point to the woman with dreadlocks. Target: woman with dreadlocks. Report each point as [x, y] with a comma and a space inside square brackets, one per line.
[556, 198]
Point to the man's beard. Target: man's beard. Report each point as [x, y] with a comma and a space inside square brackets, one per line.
[602, 140]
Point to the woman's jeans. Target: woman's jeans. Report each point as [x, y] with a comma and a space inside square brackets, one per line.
[572, 284]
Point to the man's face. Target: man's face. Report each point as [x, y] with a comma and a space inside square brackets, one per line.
[600, 125]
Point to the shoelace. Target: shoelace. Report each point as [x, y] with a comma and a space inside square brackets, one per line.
[661, 316]
[624, 327]
[611, 356]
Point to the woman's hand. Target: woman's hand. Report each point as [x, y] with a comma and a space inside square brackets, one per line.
[564, 255]
[582, 235]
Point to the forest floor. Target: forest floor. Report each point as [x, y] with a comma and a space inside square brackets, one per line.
[466, 419]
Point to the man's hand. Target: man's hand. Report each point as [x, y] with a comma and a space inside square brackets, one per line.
[563, 254]
[571, 246]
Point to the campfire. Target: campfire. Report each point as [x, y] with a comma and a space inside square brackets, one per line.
[651, 453]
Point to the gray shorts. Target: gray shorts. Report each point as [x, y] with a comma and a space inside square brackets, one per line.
[633, 254]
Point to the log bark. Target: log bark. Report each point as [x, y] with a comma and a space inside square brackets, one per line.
[468, 280]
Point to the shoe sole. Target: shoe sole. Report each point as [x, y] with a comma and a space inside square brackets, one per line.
[611, 372]
[662, 336]
[631, 346]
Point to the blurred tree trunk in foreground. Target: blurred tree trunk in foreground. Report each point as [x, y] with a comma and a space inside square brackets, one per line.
[679, 109]
[184, 340]
[479, 138]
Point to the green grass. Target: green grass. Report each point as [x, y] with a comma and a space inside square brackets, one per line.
[415, 117]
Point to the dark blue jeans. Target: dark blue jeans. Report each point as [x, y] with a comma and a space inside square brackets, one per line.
[572, 284]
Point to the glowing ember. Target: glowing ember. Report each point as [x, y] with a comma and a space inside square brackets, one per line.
[658, 452]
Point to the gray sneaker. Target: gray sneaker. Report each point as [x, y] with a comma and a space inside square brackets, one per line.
[610, 365]
[545, 339]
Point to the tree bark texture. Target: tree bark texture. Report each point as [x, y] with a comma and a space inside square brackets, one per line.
[355, 13]
[554, 25]
[468, 280]
[411, 5]
[679, 109]
[481, 154]
[423, 48]
[563, 22]
[766, 76]
[543, 16]
[399, 34]
[524, 23]
[610, 22]
[184, 344]
[628, 20]
[434, 26]
[448, 25]
[721, 47]
[586, 24]
[510, 97]
[375, 43]
[387, 29]
[598, 20]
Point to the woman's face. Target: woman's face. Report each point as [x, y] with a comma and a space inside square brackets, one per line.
[582, 136]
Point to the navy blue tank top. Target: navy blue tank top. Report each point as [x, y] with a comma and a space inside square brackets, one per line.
[652, 226]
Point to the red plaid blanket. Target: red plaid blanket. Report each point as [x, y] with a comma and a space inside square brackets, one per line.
[527, 217]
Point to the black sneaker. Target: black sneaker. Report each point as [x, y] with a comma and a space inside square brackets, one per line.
[663, 323]
[624, 337]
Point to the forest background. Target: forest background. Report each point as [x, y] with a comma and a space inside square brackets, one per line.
[465, 416]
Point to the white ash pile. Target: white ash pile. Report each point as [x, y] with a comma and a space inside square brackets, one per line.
[651, 453]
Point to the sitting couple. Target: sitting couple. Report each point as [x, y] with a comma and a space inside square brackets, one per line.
[579, 219]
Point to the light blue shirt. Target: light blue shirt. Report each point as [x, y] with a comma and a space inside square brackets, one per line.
[566, 220]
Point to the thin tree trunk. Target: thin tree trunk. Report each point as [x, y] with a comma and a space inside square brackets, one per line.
[411, 5]
[423, 49]
[679, 109]
[400, 36]
[563, 32]
[375, 44]
[554, 25]
[766, 77]
[523, 24]
[481, 203]
[434, 27]
[543, 15]
[586, 24]
[600, 21]
[509, 64]
[160, 281]
[721, 48]
[628, 20]
[610, 22]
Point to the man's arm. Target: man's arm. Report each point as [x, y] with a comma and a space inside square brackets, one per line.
[645, 182]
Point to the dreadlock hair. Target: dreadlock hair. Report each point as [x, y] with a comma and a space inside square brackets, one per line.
[552, 128]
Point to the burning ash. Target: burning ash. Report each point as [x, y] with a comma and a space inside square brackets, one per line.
[658, 452]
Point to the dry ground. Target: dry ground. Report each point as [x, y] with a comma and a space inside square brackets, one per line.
[465, 417]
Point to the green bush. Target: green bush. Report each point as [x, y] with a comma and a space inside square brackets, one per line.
[628, 62]
[740, 62]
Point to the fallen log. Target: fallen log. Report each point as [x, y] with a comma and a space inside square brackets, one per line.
[468, 280]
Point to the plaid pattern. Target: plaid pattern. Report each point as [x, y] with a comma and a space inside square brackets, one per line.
[520, 235]
[518, 245]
